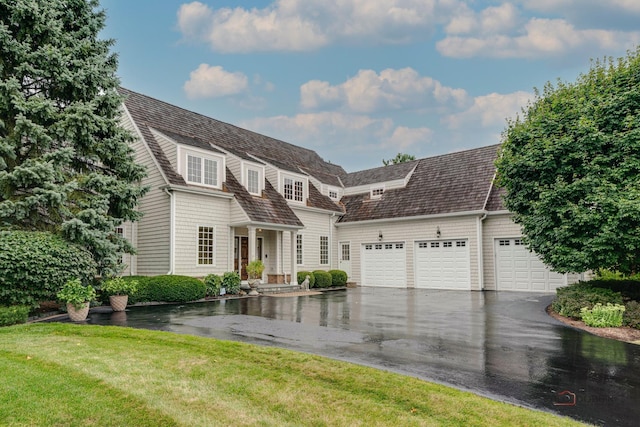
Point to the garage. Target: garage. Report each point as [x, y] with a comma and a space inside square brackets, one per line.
[384, 264]
[517, 269]
[443, 264]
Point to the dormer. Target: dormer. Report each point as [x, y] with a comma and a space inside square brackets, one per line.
[253, 177]
[293, 187]
[334, 193]
[201, 167]
[376, 191]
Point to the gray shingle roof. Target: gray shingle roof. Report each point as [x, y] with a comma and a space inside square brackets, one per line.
[161, 115]
[456, 182]
[187, 140]
[271, 208]
[381, 174]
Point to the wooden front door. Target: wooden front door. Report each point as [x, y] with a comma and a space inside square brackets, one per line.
[241, 256]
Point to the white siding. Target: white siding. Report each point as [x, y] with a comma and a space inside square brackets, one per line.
[316, 224]
[169, 147]
[409, 231]
[192, 211]
[235, 166]
[153, 228]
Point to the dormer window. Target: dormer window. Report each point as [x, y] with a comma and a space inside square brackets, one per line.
[253, 178]
[377, 192]
[253, 181]
[333, 193]
[293, 189]
[203, 170]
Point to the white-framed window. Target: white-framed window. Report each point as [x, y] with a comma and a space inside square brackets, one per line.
[293, 189]
[299, 257]
[253, 181]
[333, 193]
[324, 250]
[376, 192]
[206, 245]
[203, 169]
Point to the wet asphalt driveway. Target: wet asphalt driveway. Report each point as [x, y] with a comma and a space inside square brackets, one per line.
[498, 344]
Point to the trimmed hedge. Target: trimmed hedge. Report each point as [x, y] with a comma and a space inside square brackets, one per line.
[14, 315]
[628, 288]
[338, 277]
[571, 299]
[303, 275]
[35, 265]
[168, 288]
[323, 279]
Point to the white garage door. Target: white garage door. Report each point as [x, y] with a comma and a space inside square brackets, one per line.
[384, 264]
[517, 269]
[443, 264]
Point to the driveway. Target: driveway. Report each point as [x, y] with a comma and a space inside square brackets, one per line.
[497, 344]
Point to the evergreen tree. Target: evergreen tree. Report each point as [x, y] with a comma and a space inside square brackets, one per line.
[65, 162]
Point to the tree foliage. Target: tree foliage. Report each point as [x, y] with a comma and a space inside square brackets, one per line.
[571, 169]
[400, 158]
[65, 162]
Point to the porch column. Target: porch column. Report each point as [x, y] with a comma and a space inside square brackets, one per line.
[279, 252]
[294, 264]
[231, 249]
[252, 243]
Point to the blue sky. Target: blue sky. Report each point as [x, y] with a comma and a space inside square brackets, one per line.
[361, 80]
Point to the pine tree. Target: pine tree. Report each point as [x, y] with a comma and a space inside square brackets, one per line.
[66, 165]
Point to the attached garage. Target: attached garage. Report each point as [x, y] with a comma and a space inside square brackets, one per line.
[384, 264]
[517, 269]
[443, 264]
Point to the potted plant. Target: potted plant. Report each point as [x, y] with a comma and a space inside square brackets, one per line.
[254, 270]
[77, 297]
[119, 290]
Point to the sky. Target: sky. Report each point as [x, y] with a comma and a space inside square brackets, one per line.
[359, 81]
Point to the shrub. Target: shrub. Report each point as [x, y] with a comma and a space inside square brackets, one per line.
[571, 299]
[168, 288]
[631, 316]
[603, 316]
[14, 315]
[255, 269]
[323, 279]
[629, 288]
[231, 282]
[74, 292]
[119, 286]
[302, 275]
[338, 277]
[212, 283]
[35, 265]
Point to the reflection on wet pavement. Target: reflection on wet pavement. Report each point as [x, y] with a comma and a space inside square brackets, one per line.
[499, 344]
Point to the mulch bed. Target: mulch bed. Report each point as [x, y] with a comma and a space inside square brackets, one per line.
[623, 333]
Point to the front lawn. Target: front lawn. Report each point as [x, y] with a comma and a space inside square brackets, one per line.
[62, 374]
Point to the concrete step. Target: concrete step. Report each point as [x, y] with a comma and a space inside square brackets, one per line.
[277, 288]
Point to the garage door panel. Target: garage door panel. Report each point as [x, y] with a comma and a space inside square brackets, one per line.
[518, 269]
[442, 264]
[384, 264]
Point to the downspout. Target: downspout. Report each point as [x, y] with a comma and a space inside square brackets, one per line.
[331, 264]
[172, 232]
[480, 236]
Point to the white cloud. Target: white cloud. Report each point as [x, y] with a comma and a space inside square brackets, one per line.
[489, 21]
[213, 82]
[489, 111]
[296, 25]
[370, 92]
[541, 38]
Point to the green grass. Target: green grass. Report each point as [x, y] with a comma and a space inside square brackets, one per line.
[62, 374]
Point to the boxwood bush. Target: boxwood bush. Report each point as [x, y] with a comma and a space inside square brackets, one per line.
[168, 288]
[338, 277]
[303, 275]
[571, 299]
[35, 265]
[631, 316]
[14, 315]
[323, 279]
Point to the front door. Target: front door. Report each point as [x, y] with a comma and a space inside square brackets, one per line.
[344, 262]
[241, 256]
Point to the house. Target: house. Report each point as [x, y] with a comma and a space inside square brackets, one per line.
[221, 196]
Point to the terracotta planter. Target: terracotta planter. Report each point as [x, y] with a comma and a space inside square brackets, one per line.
[78, 315]
[118, 302]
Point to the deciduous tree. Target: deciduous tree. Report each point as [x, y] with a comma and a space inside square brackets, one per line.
[571, 169]
[400, 158]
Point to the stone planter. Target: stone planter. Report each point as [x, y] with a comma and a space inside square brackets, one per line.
[78, 315]
[253, 284]
[118, 302]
